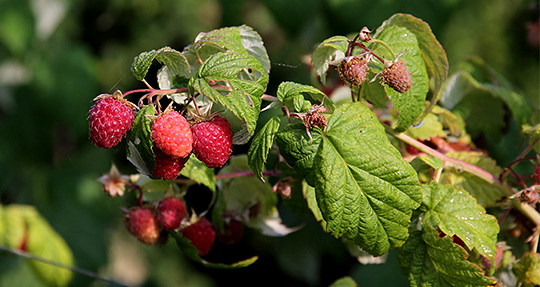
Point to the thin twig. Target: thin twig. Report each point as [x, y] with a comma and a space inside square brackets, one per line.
[244, 173]
[60, 265]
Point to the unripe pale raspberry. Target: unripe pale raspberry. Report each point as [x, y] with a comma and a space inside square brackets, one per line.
[212, 141]
[353, 70]
[201, 234]
[172, 134]
[397, 77]
[170, 213]
[109, 120]
[167, 167]
[142, 223]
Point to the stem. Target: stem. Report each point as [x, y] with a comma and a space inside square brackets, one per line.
[154, 92]
[447, 161]
[437, 175]
[351, 47]
[519, 158]
[196, 107]
[534, 216]
[59, 265]
[147, 84]
[269, 98]
[244, 173]
[371, 52]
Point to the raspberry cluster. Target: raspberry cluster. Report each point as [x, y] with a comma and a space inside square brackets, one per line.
[150, 224]
[174, 138]
[171, 139]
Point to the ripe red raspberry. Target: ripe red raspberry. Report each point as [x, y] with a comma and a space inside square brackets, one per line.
[109, 120]
[397, 77]
[537, 175]
[167, 167]
[170, 213]
[142, 223]
[171, 133]
[212, 141]
[353, 70]
[201, 235]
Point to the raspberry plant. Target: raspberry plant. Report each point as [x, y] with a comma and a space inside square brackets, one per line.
[388, 168]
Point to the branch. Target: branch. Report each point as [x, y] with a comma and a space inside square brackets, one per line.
[530, 212]
[447, 161]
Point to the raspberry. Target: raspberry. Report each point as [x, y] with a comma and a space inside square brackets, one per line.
[170, 213]
[397, 77]
[201, 235]
[537, 175]
[109, 120]
[171, 133]
[233, 230]
[212, 141]
[353, 70]
[167, 167]
[142, 223]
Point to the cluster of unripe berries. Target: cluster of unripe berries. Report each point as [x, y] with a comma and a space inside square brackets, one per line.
[150, 224]
[173, 137]
[353, 69]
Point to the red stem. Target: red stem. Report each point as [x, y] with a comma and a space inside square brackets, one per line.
[371, 52]
[245, 173]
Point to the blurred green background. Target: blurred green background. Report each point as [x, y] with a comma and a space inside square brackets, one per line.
[57, 55]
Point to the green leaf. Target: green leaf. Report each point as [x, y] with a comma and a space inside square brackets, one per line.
[344, 282]
[534, 134]
[175, 61]
[242, 40]
[455, 212]
[409, 105]
[527, 269]
[193, 253]
[42, 241]
[141, 136]
[252, 42]
[295, 146]
[433, 162]
[142, 63]
[432, 51]
[428, 259]
[289, 90]
[12, 226]
[240, 200]
[311, 198]
[198, 171]
[223, 39]
[476, 75]
[366, 192]
[486, 194]
[374, 93]
[260, 146]
[329, 50]
[156, 185]
[242, 82]
[431, 127]
[136, 159]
